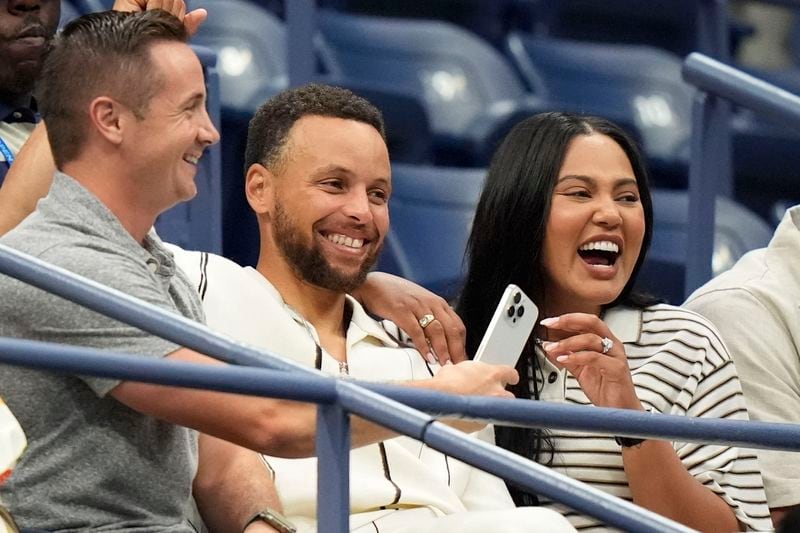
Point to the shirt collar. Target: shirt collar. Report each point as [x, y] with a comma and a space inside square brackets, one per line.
[361, 323]
[68, 198]
[624, 322]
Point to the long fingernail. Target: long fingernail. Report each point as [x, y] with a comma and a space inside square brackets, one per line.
[547, 322]
[549, 346]
[431, 358]
[562, 358]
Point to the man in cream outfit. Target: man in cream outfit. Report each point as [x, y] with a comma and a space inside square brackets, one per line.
[319, 181]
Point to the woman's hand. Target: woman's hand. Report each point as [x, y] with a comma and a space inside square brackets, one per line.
[604, 377]
[405, 303]
[191, 20]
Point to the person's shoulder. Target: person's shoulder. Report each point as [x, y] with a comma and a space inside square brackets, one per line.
[197, 264]
[748, 278]
[684, 333]
[666, 317]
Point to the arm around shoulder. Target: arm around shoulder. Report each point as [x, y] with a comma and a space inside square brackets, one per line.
[27, 181]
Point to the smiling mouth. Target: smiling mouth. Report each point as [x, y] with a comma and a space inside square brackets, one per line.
[191, 159]
[603, 253]
[344, 240]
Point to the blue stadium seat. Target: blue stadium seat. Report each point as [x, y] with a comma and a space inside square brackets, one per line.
[91, 6]
[68, 12]
[432, 210]
[471, 93]
[737, 230]
[197, 225]
[431, 215]
[250, 43]
[667, 24]
[639, 86]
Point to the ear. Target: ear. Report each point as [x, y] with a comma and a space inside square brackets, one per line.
[106, 116]
[259, 187]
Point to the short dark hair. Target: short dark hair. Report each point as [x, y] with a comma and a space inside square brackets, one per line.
[506, 244]
[270, 126]
[98, 54]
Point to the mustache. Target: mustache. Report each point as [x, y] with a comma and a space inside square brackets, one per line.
[30, 26]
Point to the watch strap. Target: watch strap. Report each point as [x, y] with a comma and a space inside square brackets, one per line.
[274, 519]
[628, 442]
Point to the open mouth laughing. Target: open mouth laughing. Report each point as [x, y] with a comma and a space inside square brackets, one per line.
[600, 253]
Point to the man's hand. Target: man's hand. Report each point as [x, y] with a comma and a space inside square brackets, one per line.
[406, 303]
[191, 20]
[473, 378]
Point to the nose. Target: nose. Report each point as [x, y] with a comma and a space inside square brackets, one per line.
[20, 7]
[207, 134]
[607, 214]
[357, 206]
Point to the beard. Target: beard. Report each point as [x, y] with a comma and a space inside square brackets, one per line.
[307, 260]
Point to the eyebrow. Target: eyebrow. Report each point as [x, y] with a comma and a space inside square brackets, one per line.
[195, 98]
[620, 182]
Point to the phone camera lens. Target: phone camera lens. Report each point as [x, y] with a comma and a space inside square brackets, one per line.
[517, 297]
[510, 311]
[520, 311]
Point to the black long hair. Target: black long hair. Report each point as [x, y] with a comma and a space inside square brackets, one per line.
[507, 242]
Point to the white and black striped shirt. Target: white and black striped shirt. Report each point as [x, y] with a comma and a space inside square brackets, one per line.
[679, 366]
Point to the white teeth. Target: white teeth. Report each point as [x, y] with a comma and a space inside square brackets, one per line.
[191, 159]
[344, 240]
[603, 246]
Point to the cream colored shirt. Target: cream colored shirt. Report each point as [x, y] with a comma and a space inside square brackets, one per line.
[756, 308]
[400, 473]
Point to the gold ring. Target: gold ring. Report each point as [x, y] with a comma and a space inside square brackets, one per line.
[426, 320]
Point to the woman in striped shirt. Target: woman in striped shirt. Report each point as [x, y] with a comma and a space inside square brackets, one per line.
[566, 214]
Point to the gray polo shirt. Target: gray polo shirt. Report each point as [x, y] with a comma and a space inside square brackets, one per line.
[92, 463]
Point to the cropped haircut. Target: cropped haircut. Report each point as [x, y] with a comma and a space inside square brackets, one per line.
[100, 54]
[269, 128]
[506, 244]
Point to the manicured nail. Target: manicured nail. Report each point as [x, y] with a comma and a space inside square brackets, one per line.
[547, 322]
[562, 358]
[549, 345]
[431, 358]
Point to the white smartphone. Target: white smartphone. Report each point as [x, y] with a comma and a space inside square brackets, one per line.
[511, 325]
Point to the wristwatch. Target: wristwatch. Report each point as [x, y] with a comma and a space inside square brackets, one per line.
[628, 442]
[275, 519]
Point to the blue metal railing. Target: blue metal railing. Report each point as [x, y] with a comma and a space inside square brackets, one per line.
[338, 398]
[711, 167]
[718, 86]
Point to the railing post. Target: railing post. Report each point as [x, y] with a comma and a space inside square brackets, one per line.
[301, 22]
[713, 37]
[333, 469]
[710, 159]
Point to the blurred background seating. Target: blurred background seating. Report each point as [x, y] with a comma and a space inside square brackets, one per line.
[453, 76]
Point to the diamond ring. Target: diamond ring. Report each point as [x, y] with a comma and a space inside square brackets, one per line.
[607, 345]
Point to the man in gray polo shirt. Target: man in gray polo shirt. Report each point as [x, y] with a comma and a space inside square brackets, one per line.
[94, 460]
